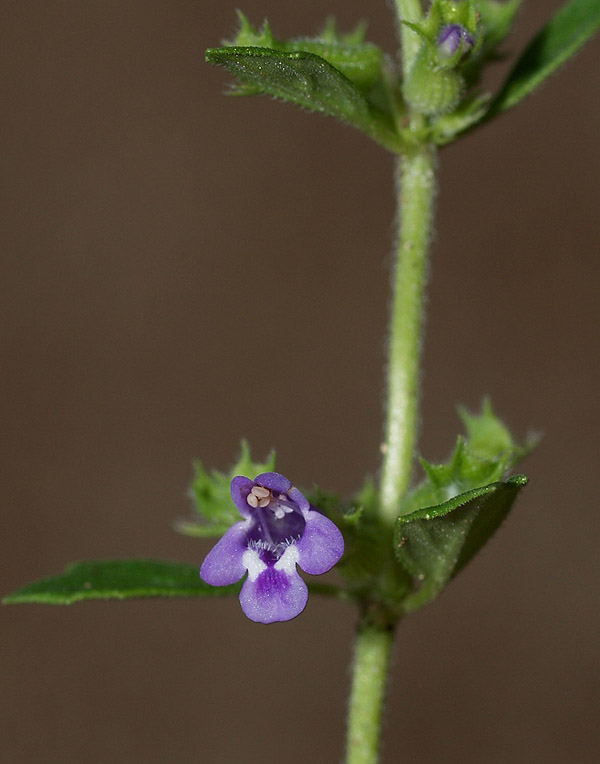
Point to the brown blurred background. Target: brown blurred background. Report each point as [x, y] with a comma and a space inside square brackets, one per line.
[181, 270]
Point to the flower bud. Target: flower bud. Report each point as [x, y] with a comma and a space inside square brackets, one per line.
[454, 39]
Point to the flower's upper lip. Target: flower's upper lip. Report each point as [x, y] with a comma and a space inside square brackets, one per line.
[240, 488]
[274, 481]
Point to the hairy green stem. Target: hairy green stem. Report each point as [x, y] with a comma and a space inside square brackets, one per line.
[416, 191]
[408, 10]
[416, 194]
[369, 680]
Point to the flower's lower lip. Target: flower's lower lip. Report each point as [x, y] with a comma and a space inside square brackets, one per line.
[271, 552]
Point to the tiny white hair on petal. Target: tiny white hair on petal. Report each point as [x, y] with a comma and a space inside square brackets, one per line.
[253, 563]
[287, 561]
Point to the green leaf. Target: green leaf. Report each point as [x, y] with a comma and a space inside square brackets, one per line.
[434, 543]
[572, 26]
[119, 579]
[307, 80]
[361, 64]
[131, 579]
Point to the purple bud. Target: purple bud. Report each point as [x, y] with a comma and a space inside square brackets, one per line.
[451, 37]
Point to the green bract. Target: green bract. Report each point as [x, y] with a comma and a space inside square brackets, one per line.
[483, 457]
[361, 62]
[212, 497]
[442, 523]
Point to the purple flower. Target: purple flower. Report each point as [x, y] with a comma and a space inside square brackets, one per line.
[279, 530]
[451, 37]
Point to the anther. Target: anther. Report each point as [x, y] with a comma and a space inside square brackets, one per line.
[252, 500]
[260, 492]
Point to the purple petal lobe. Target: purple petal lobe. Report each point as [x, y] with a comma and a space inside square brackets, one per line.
[275, 595]
[224, 565]
[321, 545]
[449, 39]
[298, 497]
[274, 482]
[240, 488]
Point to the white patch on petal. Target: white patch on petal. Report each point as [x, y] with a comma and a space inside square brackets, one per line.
[287, 561]
[253, 563]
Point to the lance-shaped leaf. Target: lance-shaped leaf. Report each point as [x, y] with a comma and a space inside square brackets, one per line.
[119, 579]
[434, 543]
[307, 80]
[571, 27]
[130, 579]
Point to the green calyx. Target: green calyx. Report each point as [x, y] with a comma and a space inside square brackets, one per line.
[210, 491]
[432, 89]
[360, 61]
[442, 522]
[434, 85]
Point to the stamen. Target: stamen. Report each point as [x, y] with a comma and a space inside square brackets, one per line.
[260, 492]
[264, 502]
[252, 500]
